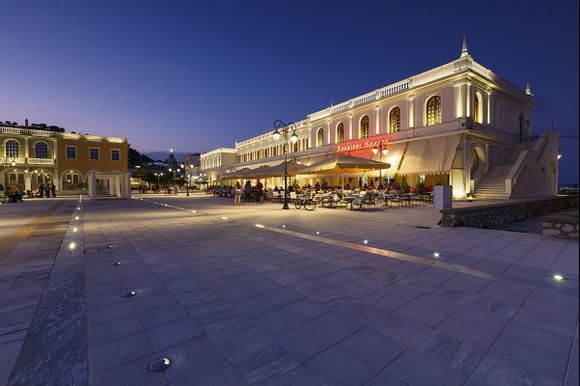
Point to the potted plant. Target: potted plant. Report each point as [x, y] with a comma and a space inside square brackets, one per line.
[420, 188]
[405, 188]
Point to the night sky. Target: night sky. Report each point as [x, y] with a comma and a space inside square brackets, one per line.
[196, 75]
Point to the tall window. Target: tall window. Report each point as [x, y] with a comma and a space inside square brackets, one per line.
[364, 127]
[115, 155]
[395, 120]
[12, 149]
[94, 153]
[433, 110]
[340, 133]
[320, 138]
[478, 108]
[41, 150]
[71, 152]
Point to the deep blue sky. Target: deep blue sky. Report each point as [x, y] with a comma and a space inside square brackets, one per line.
[196, 75]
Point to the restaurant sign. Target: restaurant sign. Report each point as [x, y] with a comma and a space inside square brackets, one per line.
[362, 144]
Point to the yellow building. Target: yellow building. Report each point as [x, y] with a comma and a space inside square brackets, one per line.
[73, 162]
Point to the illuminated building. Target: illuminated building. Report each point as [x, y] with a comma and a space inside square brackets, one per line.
[458, 124]
[73, 162]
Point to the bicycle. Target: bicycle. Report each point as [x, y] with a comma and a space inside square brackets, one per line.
[305, 201]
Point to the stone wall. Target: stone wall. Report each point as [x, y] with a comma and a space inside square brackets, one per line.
[485, 216]
[563, 226]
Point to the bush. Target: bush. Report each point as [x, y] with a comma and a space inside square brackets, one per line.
[405, 188]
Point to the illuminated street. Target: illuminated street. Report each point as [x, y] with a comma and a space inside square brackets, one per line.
[258, 295]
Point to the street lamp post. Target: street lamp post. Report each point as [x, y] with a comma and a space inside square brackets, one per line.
[285, 129]
[186, 180]
[382, 150]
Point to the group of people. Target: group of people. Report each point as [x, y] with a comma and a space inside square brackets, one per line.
[16, 193]
[248, 192]
[46, 191]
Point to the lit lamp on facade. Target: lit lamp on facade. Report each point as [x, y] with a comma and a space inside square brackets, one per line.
[285, 129]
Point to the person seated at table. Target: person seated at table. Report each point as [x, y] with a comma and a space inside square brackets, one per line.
[347, 186]
[276, 188]
[317, 186]
[381, 188]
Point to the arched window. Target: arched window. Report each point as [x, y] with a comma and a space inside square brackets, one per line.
[478, 108]
[433, 110]
[395, 120]
[12, 149]
[320, 138]
[364, 127]
[340, 133]
[41, 150]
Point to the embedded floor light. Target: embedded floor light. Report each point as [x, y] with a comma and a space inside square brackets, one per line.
[224, 218]
[259, 226]
[75, 229]
[194, 211]
[117, 263]
[130, 294]
[72, 245]
[317, 232]
[76, 217]
[284, 226]
[436, 254]
[160, 364]
[558, 277]
[109, 246]
[365, 241]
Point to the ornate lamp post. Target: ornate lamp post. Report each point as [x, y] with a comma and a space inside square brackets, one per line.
[383, 151]
[285, 129]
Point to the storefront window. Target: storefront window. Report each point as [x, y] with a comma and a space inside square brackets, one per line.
[433, 110]
[395, 120]
[340, 133]
[364, 127]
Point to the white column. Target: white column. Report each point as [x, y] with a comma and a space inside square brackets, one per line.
[350, 127]
[27, 181]
[377, 119]
[93, 185]
[328, 131]
[411, 112]
[488, 120]
[26, 153]
[469, 100]
[118, 186]
[127, 185]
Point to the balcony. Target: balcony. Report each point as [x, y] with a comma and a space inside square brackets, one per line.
[41, 161]
[12, 160]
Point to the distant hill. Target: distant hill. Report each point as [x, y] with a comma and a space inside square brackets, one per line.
[136, 158]
[162, 155]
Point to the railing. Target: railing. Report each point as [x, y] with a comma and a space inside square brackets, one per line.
[515, 172]
[394, 89]
[8, 161]
[40, 161]
[21, 131]
[364, 99]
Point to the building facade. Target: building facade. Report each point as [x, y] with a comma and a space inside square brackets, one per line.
[73, 162]
[457, 124]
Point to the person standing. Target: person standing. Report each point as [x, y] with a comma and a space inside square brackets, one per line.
[237, 193]
[260, 190]
[41, 191]
[247, 191]
[53, 189]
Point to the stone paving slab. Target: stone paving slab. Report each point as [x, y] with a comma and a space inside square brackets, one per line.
[232, 303]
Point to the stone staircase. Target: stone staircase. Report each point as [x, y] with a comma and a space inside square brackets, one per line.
[492, 185]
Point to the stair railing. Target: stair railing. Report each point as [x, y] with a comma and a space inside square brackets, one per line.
[515, 172]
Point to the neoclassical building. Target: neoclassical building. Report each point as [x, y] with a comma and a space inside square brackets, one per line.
[74, 162]
[458, 124]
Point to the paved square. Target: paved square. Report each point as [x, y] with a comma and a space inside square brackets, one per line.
[258, 295]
